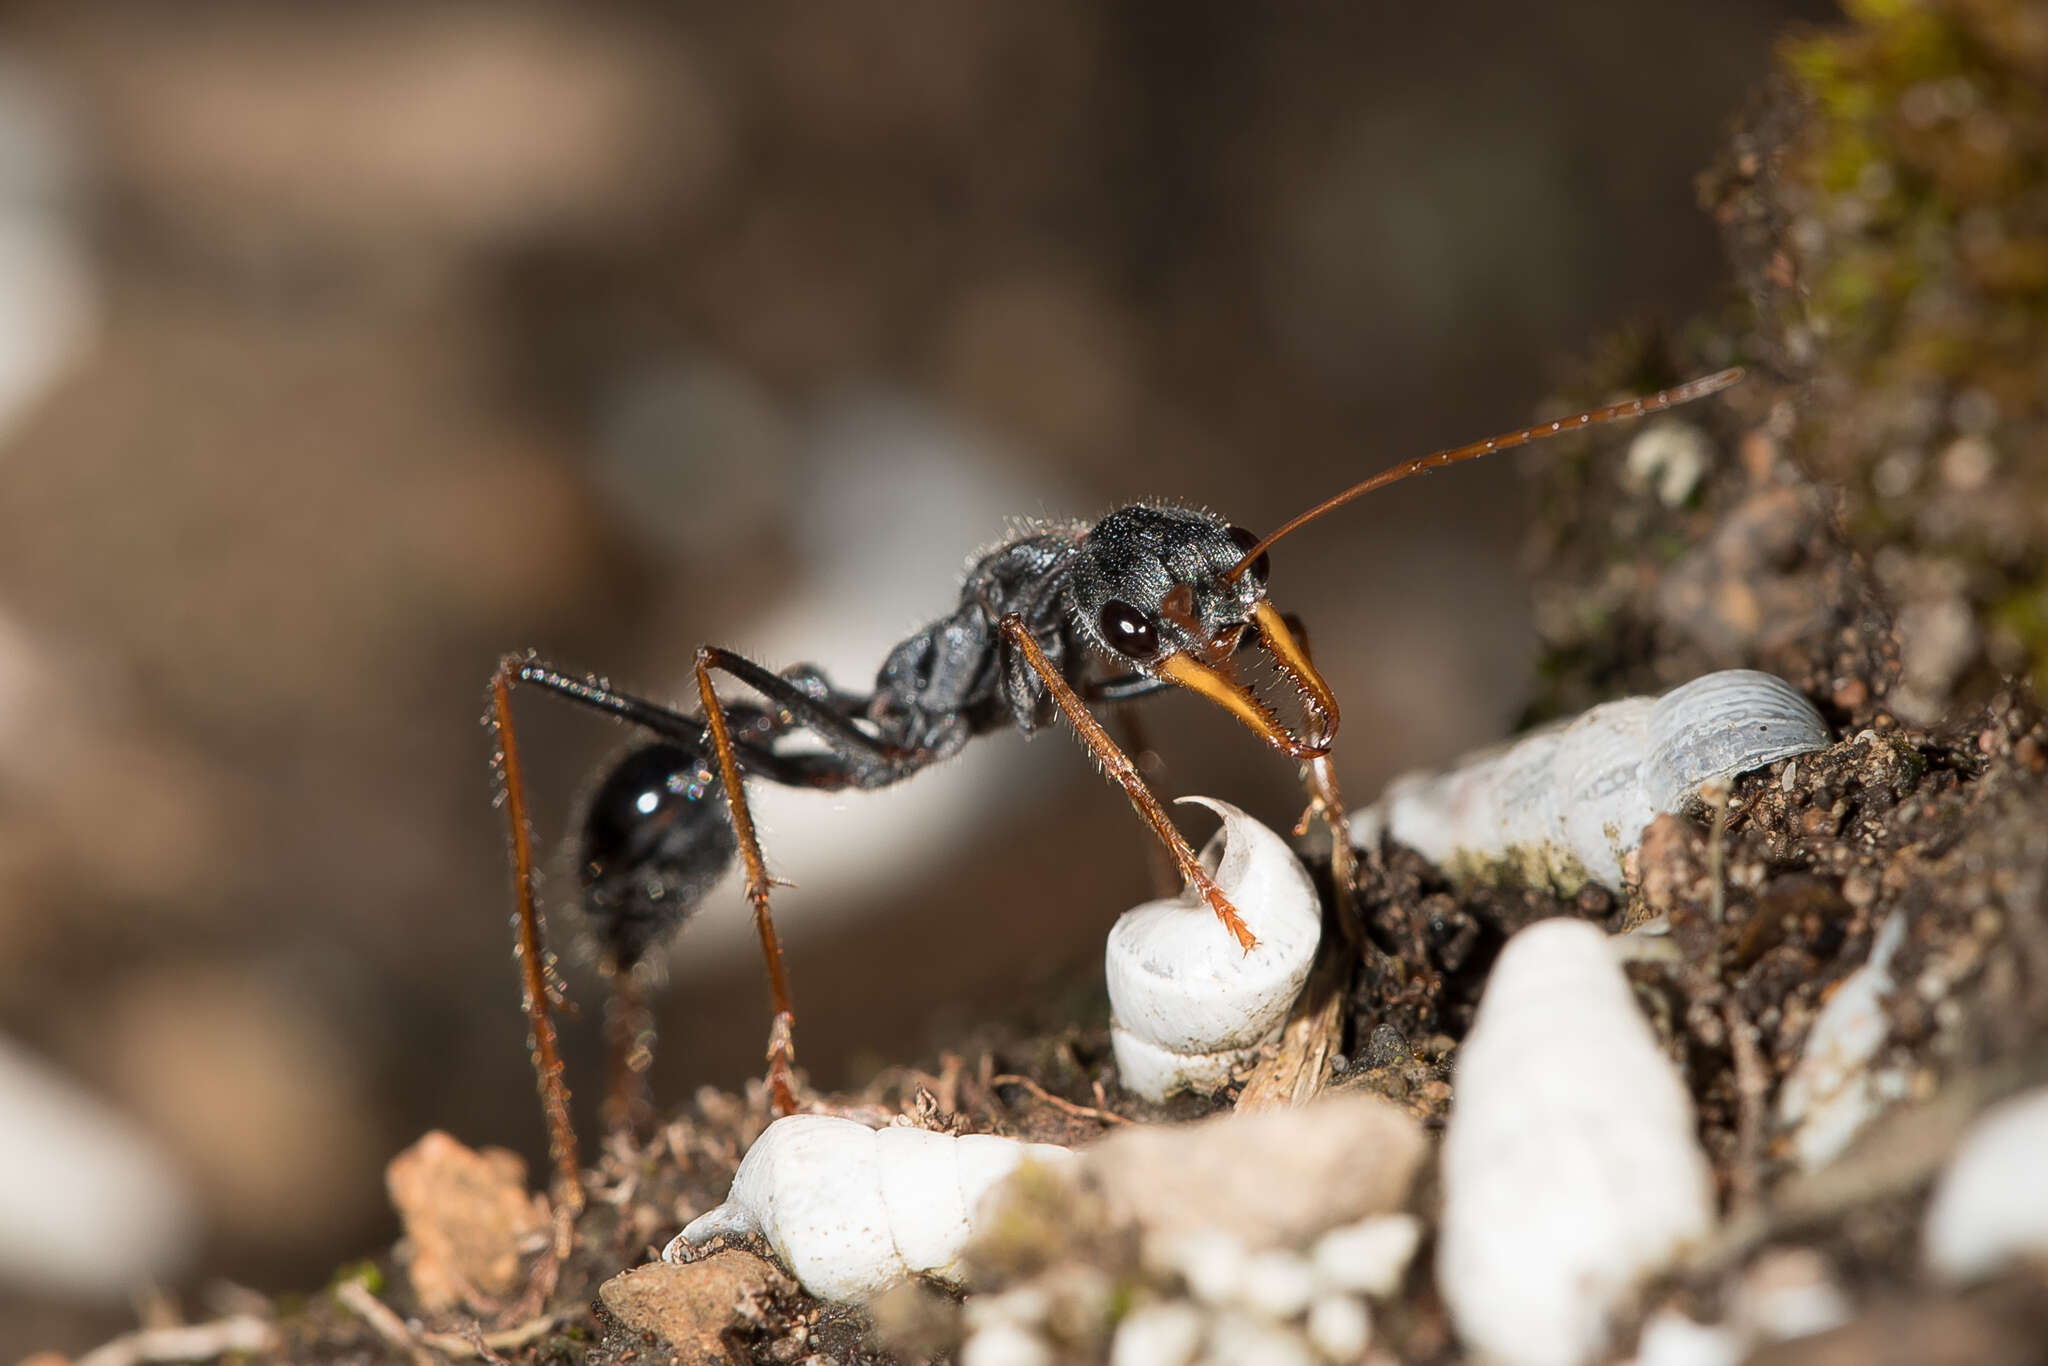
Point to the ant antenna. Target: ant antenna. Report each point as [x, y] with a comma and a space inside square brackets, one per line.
[1614, 412]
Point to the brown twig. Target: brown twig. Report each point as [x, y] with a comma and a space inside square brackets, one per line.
[1305, 1060]
[486, 1346]
[1752, 1085]
[1057, 1102]
[192, 1342]
[357, 1299]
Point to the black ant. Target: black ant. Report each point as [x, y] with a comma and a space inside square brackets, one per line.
[1165, 596]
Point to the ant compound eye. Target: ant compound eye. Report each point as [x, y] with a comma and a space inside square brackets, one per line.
[1128, 631]
[1245, 540]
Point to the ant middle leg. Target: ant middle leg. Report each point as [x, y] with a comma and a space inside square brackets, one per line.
[1117, 766]
[856, 759]
[801, 699]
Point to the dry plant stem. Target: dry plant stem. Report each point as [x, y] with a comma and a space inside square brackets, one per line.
[1752, 1081]
[1305, 1060]
[1717, 848]
[477, 1343]
[357, 1299]
[781, 1034]
[1057, 1102]
[1752, 1089]
[537, 992]
[473, 1340]
[238, 1333]
[1118, 768]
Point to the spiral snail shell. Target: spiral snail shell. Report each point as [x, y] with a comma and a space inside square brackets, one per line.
[1187, 1004]
[851, 1210]
[1567, 805]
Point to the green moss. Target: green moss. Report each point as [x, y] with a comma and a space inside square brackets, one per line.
[367, 1273]
[1924, 112]
[2022, 614]
[1912, 187]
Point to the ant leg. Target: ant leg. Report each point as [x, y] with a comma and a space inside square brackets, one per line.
[1303, 1062]
[629, 1049]
[1125, 689]
[781, 1035]
[538, 991]
[802, 699]
[1319, 775]
[1117, 766]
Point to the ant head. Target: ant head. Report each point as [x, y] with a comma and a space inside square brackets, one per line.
[1160, 588]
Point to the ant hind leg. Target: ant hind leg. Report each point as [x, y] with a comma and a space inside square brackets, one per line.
[538, 989]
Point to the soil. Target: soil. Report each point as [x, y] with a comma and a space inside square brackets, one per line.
[1941, 824]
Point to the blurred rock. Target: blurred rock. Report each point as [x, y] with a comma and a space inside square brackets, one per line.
[263, 1100]
[466, 1214]
[1991, 1204]
[48, 298]
[1274, 1178]
[691, 1306]
[397, 129]
[90, 1207]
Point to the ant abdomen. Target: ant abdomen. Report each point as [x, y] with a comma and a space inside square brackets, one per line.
[655, 838]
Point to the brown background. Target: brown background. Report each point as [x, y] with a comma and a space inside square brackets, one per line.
[425, 332]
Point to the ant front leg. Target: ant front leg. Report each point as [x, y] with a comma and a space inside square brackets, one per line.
[1319, 776]
[1117, 766]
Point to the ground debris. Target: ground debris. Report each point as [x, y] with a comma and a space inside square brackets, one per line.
[467, 1215]
[697, 1308]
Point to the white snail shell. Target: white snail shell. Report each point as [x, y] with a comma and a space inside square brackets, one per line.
[1567, 805]
[1570, 1167]
[1723, 724]
[1187, 1003]
[851, 1210]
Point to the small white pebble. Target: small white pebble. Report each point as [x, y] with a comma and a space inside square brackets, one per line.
[1991, 1204]
[1239, 1340]
[1158, 1335]
[1277, 1285]
[1672, 1339]
[1212, 1262]
[1025, 1305]
[1789, 1293]
[1340, 1327]
[1006, 1344]
[1670, 456]
[1571, 1166]
[1832, 1091]
[1370, 1257]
